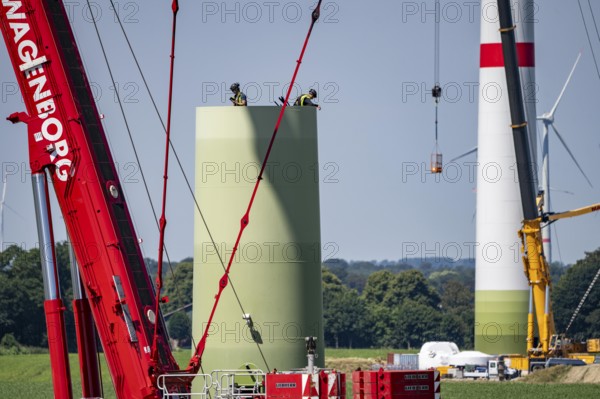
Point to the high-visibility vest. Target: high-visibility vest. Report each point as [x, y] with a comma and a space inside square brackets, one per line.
[238, 98]
[302, 98]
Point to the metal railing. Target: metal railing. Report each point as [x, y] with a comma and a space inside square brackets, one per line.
[204, 393]
[220, 384]
[239, 384]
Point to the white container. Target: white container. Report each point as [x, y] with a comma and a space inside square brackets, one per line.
[435, 354]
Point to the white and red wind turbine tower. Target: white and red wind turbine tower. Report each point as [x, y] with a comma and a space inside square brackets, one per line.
[501, 289]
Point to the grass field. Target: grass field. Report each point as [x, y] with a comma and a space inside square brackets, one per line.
[372, 353]
[28, 377]
[517, 390]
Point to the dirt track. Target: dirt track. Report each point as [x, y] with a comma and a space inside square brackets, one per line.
[558, 374]
[566, 375]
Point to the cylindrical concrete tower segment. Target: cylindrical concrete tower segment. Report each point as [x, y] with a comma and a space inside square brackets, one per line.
[276, 273]
[501, 289]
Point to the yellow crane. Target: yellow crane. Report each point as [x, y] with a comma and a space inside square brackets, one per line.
[538, 274]
[534, 262]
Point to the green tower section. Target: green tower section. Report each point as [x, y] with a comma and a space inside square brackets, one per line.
[276, 274]
[497, 330]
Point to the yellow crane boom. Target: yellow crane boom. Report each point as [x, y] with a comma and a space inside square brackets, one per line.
[538, 274]
[534, 262]
[575, 212]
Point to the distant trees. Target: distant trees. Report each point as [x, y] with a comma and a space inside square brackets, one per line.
[378, 287]
[366, 304]
[400, 309]
[180, 329]
[458, 303]
[345, 314]
[407, 304]
[567, 294]
[179, 286]
[22, 318]
[22, 296]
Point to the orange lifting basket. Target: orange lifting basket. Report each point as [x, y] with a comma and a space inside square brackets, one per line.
[436, 162]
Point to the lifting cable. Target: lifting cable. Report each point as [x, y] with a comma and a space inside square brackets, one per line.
[594, 19]
[127, 127]
[245, 221]
[436, 91]
[591, 286]
[587, 293]
[163, 218]
[185, 177]
[588, 33]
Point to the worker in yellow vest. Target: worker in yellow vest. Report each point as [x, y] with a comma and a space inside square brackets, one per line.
[306, 99]
[239, 98]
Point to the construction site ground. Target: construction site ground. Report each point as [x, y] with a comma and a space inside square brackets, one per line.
[28, 376]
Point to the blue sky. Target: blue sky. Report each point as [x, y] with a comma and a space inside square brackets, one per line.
[372, 63]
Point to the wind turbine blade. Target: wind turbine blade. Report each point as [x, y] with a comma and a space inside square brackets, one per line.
[571, 154]
[472, 150]
[564, 87]
[4, 184]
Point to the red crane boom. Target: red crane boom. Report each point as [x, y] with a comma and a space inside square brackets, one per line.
[67, 142]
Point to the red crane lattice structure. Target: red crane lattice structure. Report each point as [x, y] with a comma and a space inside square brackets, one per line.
[68, 144]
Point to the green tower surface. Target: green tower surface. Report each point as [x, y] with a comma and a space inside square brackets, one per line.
[276, 273]
[498, 330]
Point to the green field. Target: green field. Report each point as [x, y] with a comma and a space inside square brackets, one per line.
[28, 376]
[372, 353]
[517, 390]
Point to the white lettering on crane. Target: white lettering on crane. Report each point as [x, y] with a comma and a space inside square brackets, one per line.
[49, 125]
[62, 169]
[20, 29]
[27, 51]
[41, 94]
[14, 6]
[39, 84]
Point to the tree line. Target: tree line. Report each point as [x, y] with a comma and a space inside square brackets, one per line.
[366, 304]
[396, 310]
[404, 304]
[22, 318]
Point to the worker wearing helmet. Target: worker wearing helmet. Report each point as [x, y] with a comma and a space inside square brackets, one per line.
[306, 99]
[239, 98]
